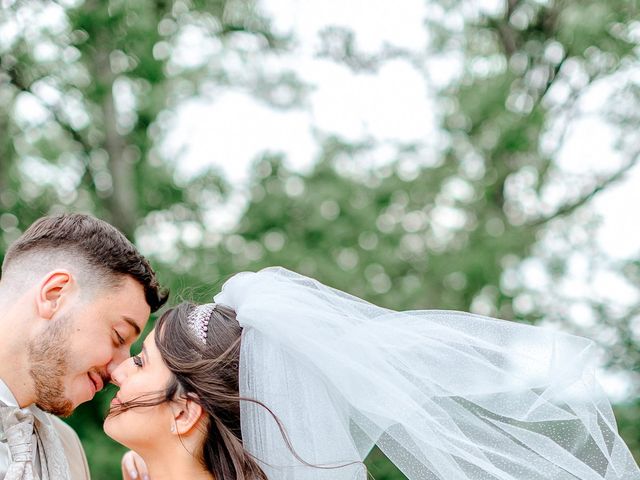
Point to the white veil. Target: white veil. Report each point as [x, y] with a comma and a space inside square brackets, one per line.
[445, 395]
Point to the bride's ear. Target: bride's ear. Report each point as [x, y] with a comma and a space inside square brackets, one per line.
[186, 415]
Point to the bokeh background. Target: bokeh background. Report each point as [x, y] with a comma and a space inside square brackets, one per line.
[471, 155]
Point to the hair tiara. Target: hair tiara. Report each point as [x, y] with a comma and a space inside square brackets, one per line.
[198, 320]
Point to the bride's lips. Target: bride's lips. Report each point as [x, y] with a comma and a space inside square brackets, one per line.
[115, 401]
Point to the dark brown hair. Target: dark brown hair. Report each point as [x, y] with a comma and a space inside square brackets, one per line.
[102, 246]
[208, 373]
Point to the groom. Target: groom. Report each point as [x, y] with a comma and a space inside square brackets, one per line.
[74, 295]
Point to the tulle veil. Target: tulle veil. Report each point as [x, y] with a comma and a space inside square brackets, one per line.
[445, 395]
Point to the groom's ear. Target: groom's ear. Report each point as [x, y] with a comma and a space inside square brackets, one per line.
[53, 288]
[186, 415]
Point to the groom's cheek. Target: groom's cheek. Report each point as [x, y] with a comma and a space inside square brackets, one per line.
[87, 375]
[80, 389]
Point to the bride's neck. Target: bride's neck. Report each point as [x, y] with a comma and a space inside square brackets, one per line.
[180, 464]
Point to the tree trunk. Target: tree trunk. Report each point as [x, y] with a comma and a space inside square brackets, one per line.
[6, 151]
[122, 201]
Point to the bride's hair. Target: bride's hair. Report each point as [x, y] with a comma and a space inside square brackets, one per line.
[208, 374]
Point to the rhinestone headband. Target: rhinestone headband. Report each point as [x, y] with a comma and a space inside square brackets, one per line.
[198, 320]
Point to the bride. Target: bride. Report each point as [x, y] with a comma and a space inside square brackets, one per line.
[285, 378]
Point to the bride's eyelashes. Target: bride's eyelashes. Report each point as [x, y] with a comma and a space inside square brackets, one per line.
[137, 360]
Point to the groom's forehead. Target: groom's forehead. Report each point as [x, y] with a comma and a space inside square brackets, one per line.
[124, 302]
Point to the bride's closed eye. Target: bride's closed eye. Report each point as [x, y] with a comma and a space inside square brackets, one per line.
[137, 360]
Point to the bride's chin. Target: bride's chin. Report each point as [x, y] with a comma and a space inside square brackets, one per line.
[124, 430]
[112, 428]
[107, 426]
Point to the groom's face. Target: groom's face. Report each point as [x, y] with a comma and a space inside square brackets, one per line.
[77, 353]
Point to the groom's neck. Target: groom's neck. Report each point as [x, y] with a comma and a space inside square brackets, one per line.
[14, 357]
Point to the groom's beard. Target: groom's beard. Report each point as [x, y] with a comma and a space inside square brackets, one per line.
[48, 357]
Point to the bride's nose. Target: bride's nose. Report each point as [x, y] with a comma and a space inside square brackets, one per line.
[119, 374]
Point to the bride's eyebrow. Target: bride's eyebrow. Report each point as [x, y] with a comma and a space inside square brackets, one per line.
[144, 352]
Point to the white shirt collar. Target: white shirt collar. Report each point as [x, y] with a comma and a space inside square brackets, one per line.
[7, 397]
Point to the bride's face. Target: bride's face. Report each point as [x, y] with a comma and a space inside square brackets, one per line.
[143, 377]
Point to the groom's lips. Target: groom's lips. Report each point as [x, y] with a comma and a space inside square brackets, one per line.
[96, 380]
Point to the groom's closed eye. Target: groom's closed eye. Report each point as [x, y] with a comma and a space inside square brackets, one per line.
[127, 334]
[120, 338]
[134, 325]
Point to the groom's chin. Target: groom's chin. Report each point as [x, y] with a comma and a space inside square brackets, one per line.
[59, 407]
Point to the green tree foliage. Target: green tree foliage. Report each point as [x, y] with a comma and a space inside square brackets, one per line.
[86, 98]
[87, 89]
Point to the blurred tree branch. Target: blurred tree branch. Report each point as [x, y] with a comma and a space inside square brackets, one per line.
[587, 196]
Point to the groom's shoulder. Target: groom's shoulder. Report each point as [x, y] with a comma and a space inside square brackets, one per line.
[64, 430]
[73, 449]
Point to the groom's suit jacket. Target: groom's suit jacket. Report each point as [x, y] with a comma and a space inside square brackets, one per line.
[78, 468]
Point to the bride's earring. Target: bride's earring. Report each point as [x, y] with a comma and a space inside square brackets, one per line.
[173, 428]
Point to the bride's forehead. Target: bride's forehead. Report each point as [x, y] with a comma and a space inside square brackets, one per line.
[150, 339]
[149, 344]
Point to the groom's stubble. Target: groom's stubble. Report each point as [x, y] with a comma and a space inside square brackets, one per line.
[48, 358]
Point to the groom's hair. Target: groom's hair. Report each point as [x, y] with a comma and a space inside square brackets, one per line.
[99, 252]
